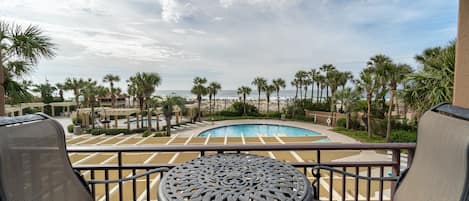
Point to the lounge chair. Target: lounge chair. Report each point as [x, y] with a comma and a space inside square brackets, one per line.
[34, 164]
[440, 167]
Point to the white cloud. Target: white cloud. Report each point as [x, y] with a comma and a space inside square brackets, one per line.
[174, 10]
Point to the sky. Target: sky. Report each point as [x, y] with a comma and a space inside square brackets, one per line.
[228, 41]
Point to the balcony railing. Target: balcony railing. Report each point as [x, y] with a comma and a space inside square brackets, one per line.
[134, 190]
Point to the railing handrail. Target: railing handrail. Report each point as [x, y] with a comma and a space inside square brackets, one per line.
[242, 147]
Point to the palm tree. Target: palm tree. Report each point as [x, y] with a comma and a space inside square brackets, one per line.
[333, 79]
[146, 84]
[395, 74]
[167, 106]
[322, 82]
[110, 78]
[367, 84]
[344, 77]
[326, 68]
[260, 83]
[313, 74]
[269, 89]
[199, 90]
[91, 91]
[244, 91]
[306, 82]
[61, 87]
[45, 90]
[380, 62]
[20, 48]
[17, 92]
[212, 89]
[301, 76]
[278, 83]
[75, 85]
[434, 82]
[349, 99]
[296, 84]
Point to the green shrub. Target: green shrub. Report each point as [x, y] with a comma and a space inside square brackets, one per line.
[342, 122]
[403, 136]
[272, 114]
[70, 128]
[146, 133]
[324, 106]
[159, 134]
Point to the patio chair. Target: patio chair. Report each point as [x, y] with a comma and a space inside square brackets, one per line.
[34, 164]
[440, 168]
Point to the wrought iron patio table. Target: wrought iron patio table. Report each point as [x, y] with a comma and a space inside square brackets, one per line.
[234, 177]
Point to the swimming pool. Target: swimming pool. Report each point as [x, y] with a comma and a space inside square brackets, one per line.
[253, 130]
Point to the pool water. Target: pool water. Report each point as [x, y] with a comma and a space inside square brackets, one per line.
[253, 130]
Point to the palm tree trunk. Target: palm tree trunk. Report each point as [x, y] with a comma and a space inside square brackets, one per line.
[320, 96]
[278, 100]
[157, 122]
[199, 102]
[258, 99]
[306, 92]
[301, 91]
[347, 121]
[317, 93]
[168, 125]
[388, 127]
[244, 104]
[92, 116]
[210, 104]
[369, 115]
[268, 103]
[2, 86]
[149, 116]
[214, 104]
[296, 93]
[113, 97]
[327, 91]
[312, 92]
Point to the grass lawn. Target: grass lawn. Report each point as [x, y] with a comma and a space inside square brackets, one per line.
[361, 136]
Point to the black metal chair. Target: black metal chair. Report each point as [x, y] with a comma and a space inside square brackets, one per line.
[34, 164]
[440, 168]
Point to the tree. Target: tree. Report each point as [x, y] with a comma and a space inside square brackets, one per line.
[45, 90]
[145, 85]
[244, 91]
[110, 78]
[349, 99]
[433, 84]
[61, 87]
[278, 83]
[75, 85]
[295, 82]
[212, 89]
[301, 77]
[395, 74]
[20, 48]
[333, 80]
[326, 68]
[321, 79]
[380, 63]
[344, 77]
[313, 76]
[260, 83]
[268, 91]
[90, 92]
[367, 84]
[167, 106]
[17, 92]
[199, 90]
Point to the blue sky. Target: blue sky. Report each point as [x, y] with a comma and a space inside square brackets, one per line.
[229, 41]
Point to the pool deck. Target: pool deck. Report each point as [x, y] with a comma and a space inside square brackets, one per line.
[323, 130]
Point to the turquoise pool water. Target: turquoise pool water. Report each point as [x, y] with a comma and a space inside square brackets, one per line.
[253, 130]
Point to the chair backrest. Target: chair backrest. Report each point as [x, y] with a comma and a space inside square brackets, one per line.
[439, 170]
[34, 165]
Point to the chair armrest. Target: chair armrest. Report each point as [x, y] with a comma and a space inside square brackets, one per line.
[129, 178]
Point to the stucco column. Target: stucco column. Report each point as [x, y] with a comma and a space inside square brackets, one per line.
[115, 121]
[461, 74]
[53, 110]
[138, 122]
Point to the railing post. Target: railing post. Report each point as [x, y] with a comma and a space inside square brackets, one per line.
[396, 168]
[119, 161]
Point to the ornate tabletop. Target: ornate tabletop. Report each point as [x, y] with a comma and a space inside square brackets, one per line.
[234, 177]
